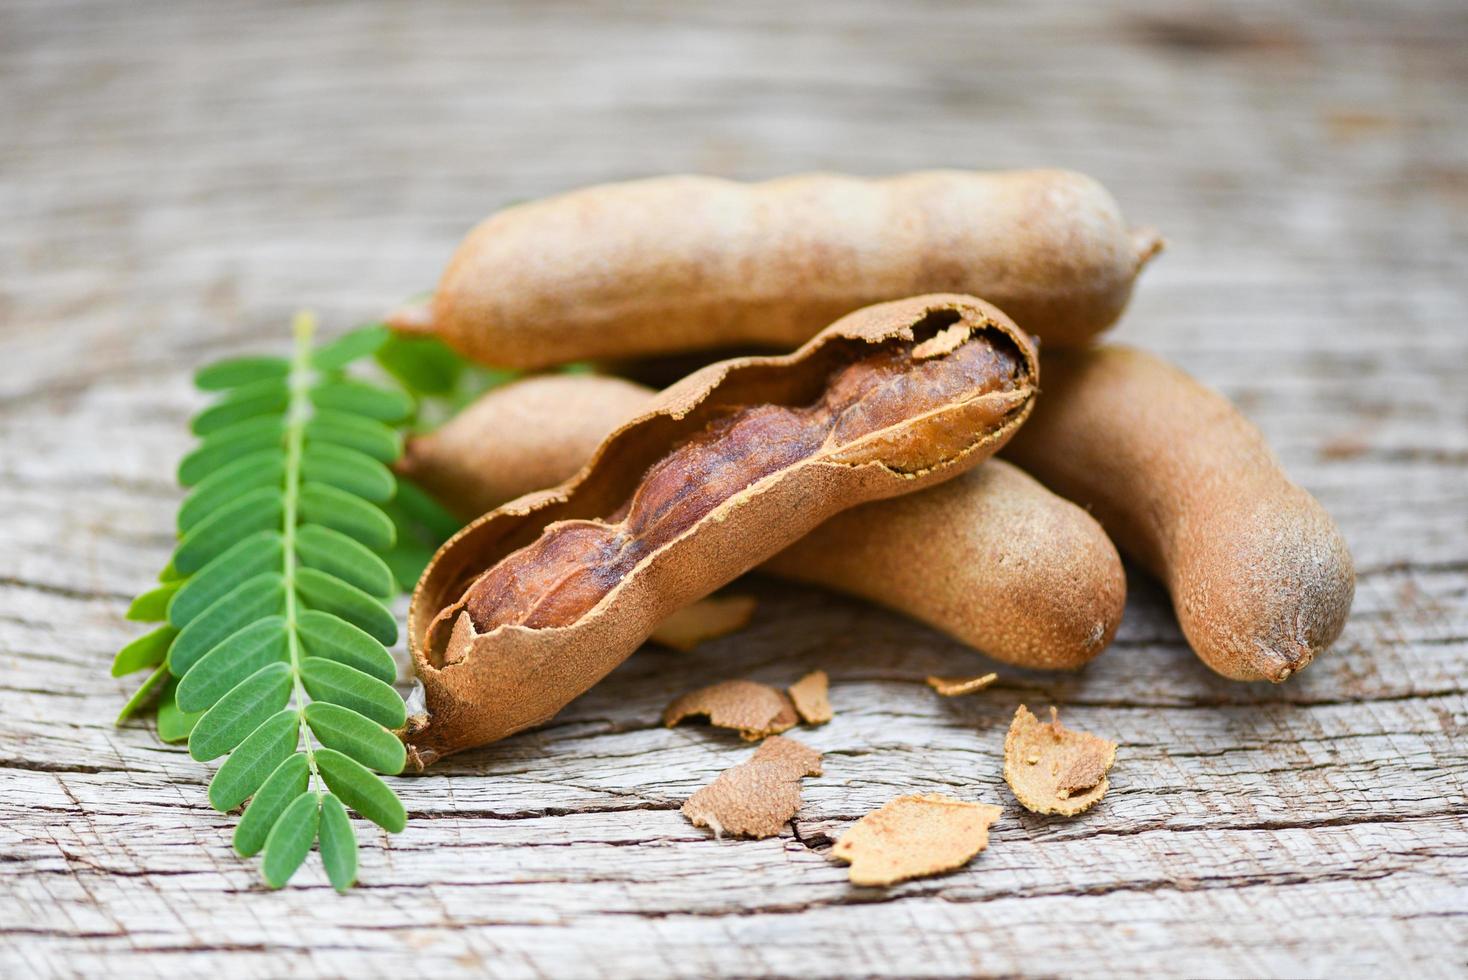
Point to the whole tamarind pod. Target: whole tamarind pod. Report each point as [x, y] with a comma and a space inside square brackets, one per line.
[1259, 575]
[990, 557]
[527, 435]
[685, 263]
[531, 604]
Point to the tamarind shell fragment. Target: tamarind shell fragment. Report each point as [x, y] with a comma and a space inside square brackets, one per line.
[685, 263]
[991, 557]
[1259, 575]
[482, 685]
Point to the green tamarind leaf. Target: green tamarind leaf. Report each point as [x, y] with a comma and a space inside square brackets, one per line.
[245, 402]
[327, 593]
[288, 781]
[359, 398]
[361, 789]
[336, 554]
[174, 724]
[290, 839]
[261, 596]
[233, 659]
[262, 551]
[143, 694]
[236, 371]
[241, 711]
[338, 843]
[356, 735]
[170, 574]
[348, 514]
[336, 683]
[350, 346]
[354, 432]
[258, 510]
[265, 468]
[228, 444]
[328, 636]
[148, 650]
[152, 606]
[254, 759]
[349, 470]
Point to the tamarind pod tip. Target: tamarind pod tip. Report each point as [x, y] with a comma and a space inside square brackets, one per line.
[415, 318]
[1261, 578]
[1147, 243]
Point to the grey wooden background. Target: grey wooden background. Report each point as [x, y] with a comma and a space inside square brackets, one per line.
[177, 177]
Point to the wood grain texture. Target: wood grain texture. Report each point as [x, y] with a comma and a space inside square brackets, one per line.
[177, 177]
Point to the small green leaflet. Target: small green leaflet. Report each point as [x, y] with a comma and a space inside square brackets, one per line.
[336, 554]
[250, 401]
[362, 790]
[356, 735]
[146, 651]
[236, 372]
[337, 683]
[264, 468]
[283, 785]
[272, 618]
[349, 470]
[244, 709]
[290, 839]
[324, 635]
[254, 759]
[152, 606]
[174, 725]
[338, 844]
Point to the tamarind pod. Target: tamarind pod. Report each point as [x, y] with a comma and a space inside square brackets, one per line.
[991, 557]
[685, 263]
[527, 435]
[1259, 575]
[533, 603]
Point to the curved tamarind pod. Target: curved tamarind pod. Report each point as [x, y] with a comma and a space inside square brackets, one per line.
[533, 603]
[695, 263]
[990, 557]
[1259, 575]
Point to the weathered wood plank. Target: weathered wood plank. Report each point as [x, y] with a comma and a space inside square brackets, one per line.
[177, 177]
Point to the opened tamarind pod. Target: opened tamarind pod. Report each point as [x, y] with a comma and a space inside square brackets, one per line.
[991, 557]
[1259, 575]
[533, 603]
[685, 263]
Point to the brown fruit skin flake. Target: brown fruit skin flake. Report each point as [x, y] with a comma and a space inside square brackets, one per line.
[811, 698]
[952, 687]
[759, 796]
[754, 710]
[706, 619]
[1054, 769]
[914, 837]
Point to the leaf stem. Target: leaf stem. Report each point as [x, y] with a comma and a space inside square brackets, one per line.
[298, 412]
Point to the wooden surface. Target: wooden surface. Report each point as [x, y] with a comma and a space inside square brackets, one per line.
[176, 177]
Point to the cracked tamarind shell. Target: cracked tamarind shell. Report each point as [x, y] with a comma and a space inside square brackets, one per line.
[481, 685]
[991, 557]
[1260, 576]
[683, 263]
